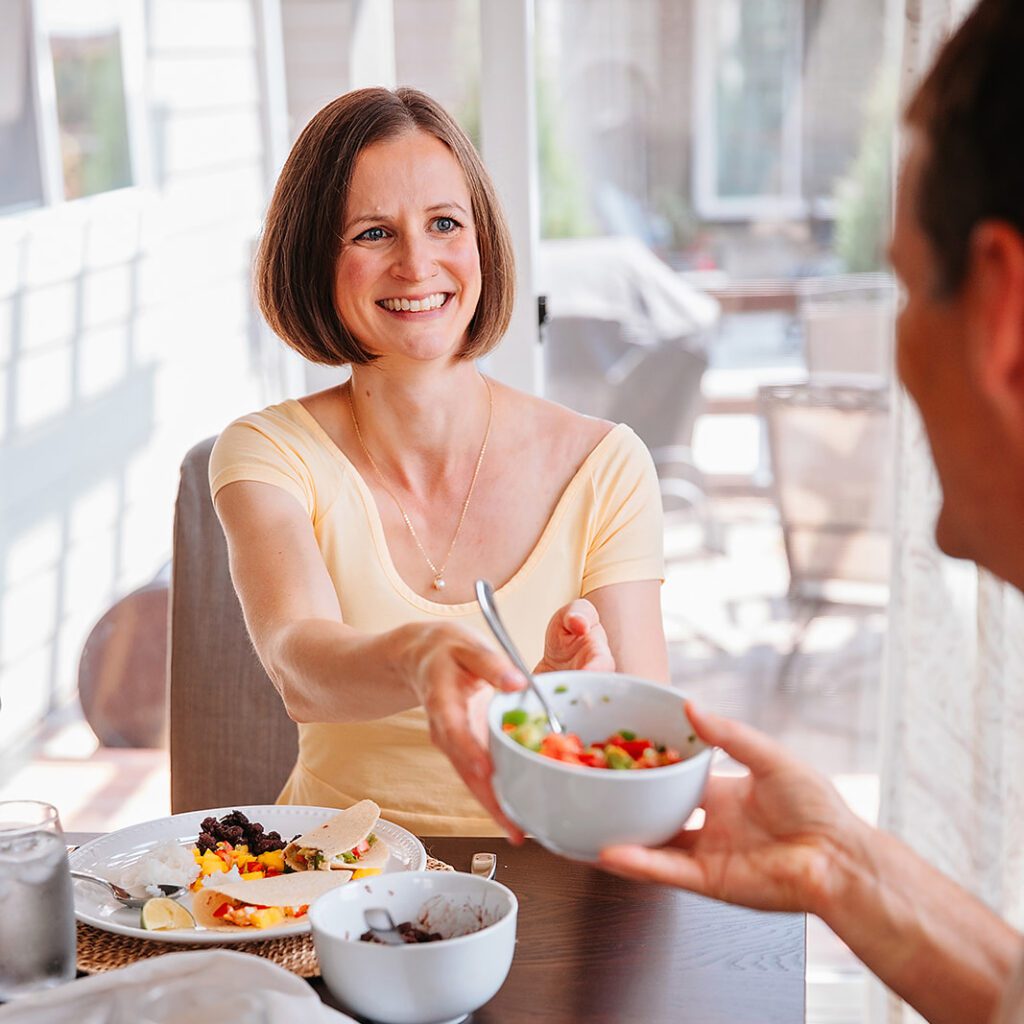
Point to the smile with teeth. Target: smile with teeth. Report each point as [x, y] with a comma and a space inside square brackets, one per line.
[421, 305]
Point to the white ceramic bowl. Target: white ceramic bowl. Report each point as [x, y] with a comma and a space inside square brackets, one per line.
[429, 982]
[575, 811]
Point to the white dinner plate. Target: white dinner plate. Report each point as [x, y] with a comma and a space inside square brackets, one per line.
[109, 855]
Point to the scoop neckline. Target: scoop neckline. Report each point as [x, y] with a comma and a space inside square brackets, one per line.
[380, 538]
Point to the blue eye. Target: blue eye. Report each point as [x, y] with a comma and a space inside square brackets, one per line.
[446, 225]
[371, 235]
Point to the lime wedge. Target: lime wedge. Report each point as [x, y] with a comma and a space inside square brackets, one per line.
[163, 915]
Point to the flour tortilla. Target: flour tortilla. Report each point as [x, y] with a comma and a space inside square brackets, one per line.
[293, 890]
[338, 835]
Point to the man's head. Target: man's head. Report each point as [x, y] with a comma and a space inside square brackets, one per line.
[958, 246]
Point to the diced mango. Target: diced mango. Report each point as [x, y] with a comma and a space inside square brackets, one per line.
[249, 876]
[267, 917]
[273, 859]
[210, 863]
[364, 873]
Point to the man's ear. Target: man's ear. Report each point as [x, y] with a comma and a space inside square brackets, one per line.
[995, 311]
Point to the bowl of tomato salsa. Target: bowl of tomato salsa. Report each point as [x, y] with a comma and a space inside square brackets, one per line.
[628, 769]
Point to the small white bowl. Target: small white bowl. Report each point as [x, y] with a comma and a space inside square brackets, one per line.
[424, 983]
[576, 811]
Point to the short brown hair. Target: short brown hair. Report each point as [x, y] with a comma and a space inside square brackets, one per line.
[295, 263]
[971, 109]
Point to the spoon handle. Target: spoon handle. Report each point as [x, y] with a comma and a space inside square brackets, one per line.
[485, 598]
[85, 877]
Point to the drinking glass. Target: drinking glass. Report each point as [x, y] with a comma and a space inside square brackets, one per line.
[37, 910]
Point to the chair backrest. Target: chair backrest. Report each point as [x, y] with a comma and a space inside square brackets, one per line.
[848, 322]
[231, 741]
[594, 367]
[829, 445]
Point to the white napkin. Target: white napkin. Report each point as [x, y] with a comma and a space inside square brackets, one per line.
[220, 985]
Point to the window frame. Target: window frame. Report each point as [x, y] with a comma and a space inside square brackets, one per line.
[131, 29]
[787, 204]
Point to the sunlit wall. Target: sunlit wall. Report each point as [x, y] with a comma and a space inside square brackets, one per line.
[126, 325]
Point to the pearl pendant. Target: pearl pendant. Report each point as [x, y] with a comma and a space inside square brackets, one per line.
[438, 583]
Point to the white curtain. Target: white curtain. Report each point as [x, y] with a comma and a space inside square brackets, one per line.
[953, 707]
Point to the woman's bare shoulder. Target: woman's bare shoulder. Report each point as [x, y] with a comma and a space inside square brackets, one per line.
[541, 421]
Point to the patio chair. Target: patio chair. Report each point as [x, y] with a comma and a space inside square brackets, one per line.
[847, 324]
[231, 741]
[829, 445]
[595, 366]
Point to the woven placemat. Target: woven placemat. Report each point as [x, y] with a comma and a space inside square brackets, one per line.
[104, 951]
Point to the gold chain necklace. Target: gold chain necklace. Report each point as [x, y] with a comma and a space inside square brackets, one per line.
[438, 571]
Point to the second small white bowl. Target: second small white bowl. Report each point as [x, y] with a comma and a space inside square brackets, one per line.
[424, 983]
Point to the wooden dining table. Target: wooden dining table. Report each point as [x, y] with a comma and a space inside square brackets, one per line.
[592, 947]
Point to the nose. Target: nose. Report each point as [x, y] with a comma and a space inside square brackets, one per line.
[414, 260]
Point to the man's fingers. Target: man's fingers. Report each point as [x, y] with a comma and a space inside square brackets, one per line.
[670, 867]
[746, 745]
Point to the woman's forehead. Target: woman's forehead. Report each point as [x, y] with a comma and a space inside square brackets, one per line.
[413, 168]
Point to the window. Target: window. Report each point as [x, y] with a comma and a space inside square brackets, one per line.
[748, 64]
[778, 89]
[64, 115]
[85, 50]
[21, 180]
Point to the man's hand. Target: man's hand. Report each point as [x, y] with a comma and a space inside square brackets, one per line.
[769, 840]
[576, 640]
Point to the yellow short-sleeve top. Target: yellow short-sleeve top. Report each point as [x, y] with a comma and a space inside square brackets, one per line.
[606, 528]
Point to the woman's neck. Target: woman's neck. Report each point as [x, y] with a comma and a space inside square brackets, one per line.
[420, 426]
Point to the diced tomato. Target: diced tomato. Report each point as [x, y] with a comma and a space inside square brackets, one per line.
[594, 758]
[270, 872]
[508, 727]
[566, 747]
[253, 865]
[302, 910]
[635, 748]
[222, 910]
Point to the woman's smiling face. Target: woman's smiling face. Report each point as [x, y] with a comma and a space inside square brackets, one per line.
[407, 279]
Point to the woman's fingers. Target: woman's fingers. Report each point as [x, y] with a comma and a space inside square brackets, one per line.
[482, 662]
[451, 732]
[746, 745]
[580, 616]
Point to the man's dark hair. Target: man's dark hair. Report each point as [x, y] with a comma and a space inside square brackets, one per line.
[970, 109]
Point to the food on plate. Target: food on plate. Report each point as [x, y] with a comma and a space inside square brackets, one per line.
[623, 750]
[236, 846]
[235, 828]
[345, 842]
[265, 902]
[409, 932]
[163, 915]
[169, 863]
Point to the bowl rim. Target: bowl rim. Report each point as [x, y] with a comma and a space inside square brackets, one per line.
[512, 912]
[621, 777]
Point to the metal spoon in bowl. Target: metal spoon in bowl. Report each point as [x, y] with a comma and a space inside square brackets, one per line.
[123, 896]
[485, 598]
[381, 923]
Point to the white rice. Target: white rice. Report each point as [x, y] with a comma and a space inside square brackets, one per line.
[169, 863]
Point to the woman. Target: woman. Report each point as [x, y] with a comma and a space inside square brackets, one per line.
[359, 518]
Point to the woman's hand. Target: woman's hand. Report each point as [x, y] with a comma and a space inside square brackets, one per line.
[576, 640]
[450, 669]
[770, 840]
